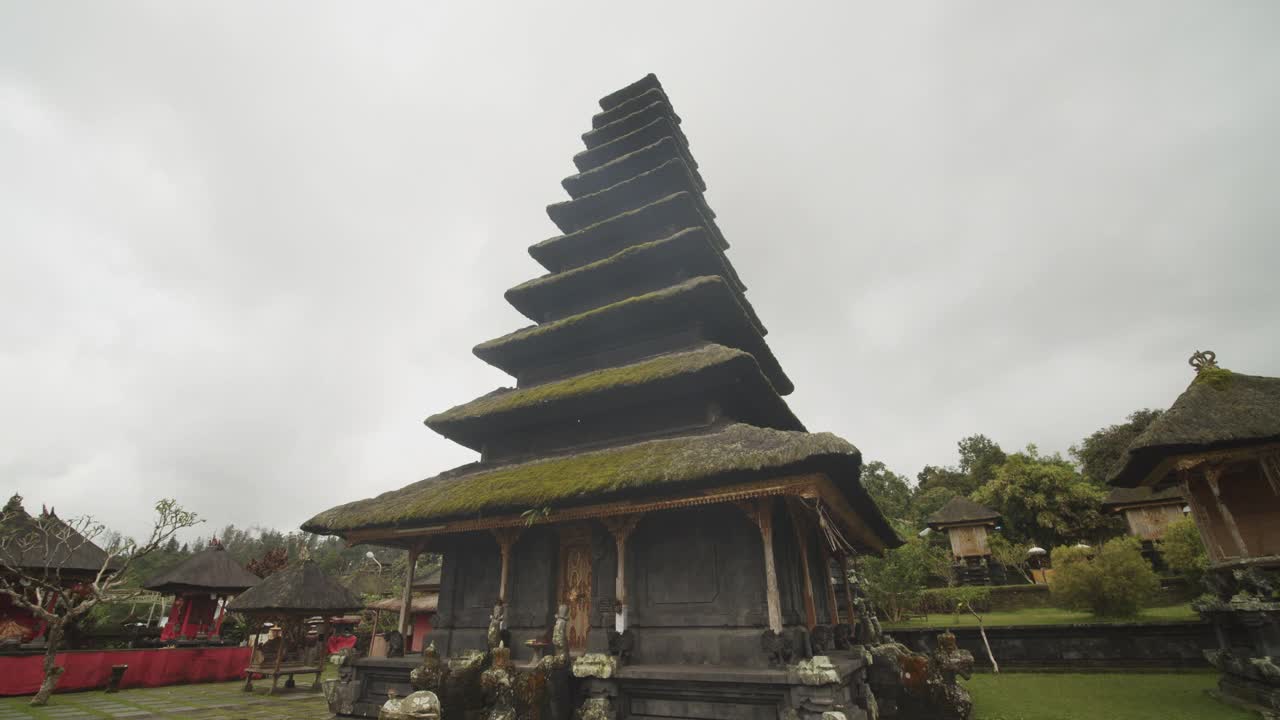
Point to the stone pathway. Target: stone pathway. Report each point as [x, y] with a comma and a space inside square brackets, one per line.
[213, 701]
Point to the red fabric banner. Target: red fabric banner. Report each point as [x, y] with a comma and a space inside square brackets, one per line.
[336, 643]
[89, 669]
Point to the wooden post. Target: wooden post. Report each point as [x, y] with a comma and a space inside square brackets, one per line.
[407, 598]
[186, 615]
[275, 671]
[220, 607]
[833, 607]
[1211, 475]
[848, 589]
[506, 538]
[1207, 535]
[810, 608]
[621, 528]
[760, 512]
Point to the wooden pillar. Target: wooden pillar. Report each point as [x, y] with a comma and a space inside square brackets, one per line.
[833, 607]
[621, 528]
[848, 589]
[810, 608]
[1211, 475]
[406, 599]
[760, 512]
[186, 616]
[506, 538]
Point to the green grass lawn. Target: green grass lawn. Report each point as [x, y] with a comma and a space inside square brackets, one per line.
[1044, 616]
[1098, 696]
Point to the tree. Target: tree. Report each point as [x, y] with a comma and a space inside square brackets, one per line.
[889, 489]
[1011, 556]
[979, 458]
[1100, 454]
[1115, 583]
[271, 562]
[1043, 498]
[937, 476]
[896, 581]
[927, 501]
[1183, 550]
[34, 551]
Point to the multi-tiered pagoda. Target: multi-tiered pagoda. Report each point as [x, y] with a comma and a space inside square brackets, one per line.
[645, 471]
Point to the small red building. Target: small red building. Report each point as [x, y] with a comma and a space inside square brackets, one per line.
[201, 586]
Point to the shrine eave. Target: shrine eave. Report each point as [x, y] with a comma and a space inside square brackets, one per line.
[689, 463]
[658, 219]
[711, 370]
[670, 177]
[627, 166]
[689, 251]
[708, 300]
[652, 95]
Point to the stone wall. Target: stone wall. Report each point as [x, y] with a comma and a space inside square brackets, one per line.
[1120, 645]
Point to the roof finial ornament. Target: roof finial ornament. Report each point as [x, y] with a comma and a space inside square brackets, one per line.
[1203, 360]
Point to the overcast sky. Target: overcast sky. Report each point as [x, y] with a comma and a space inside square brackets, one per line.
[247, 247]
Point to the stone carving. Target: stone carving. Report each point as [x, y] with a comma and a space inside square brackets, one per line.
[844, 636]
[595, 665]
[823, 639]
[817, 670]
[621, 644]
[421, 705]
[497, 623]
[560, 632]
[498, 685]
[432, 673]
[909, 684]
[595, 708]
[395, 644]
[783, 648]
[342, 692]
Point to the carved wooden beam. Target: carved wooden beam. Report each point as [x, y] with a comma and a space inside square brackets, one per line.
[406, 599]
[799, 524]
[506, 538]
[621, 527]
[1211, 475]
[760, 512]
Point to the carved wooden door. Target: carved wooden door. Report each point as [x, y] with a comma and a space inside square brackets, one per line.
[575, 585]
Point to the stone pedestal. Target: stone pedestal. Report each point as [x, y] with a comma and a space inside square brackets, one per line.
[1244, 608]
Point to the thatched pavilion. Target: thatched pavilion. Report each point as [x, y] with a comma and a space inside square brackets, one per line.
[1220, 445]
[201, 586]
[1147, 513]
[966, 524]
[645, 472]
[287, 599]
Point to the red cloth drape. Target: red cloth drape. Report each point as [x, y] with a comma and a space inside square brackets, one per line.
[89, 669]
[339, 642]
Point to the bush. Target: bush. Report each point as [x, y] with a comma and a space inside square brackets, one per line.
[1183, 550]
[945, 600]
[1117, 582]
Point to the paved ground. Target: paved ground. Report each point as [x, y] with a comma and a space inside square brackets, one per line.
[214, 701]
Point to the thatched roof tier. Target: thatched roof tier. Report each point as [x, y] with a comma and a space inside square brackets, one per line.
[707, 302]
[46, 544]
[300, 589]
[670, 177]
[661, 218]
[631, 122]
[735, 453]
[639, 138]
[1120, 498]
[210, 570]
[961, 510]
[628, 166]
[424, 603]
[1219, 410]
[635, 89]
[638, 269]
[644, 99]
[728, 375]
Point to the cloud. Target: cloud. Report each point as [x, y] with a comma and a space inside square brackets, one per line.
[247, 249]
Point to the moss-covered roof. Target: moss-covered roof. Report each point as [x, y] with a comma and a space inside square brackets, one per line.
[731, 375]
[300, 589]
[960, 510]
[1124, 497]
[627, 166]
[210, 569]
[660, 218]
[690, 250]
[583, 478]
[670, 177]
[46, 543]
[1220, 409]
[708, 299]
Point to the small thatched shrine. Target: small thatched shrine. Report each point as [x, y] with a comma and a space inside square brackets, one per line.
[1147, 513]
[646, 507]
[1219, 444]
[44, 548]
[285, 600]
[201, 585]
[966, 524]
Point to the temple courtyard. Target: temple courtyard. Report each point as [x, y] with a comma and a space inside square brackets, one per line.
[1009, 696]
